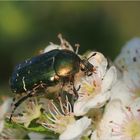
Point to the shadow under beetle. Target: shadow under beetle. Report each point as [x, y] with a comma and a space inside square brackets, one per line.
[47, 70]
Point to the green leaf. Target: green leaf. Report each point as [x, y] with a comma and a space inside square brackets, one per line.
[85, 138]
[33, 128]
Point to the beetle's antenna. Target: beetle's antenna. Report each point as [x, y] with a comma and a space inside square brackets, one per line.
[92, 55]
[19, 102]
[13, 100]
[88, 67]
[77, 48]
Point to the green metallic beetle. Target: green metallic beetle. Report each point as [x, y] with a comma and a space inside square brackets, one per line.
[47, 70]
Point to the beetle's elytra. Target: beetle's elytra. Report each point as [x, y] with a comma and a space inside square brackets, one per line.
[48, 69]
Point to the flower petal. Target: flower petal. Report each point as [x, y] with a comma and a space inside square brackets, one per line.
[36, 136]
[1, 125]
[5, 107]
[121, 91]
[114, 113]
[99, 62]
[77, 130]
[81, 107]
[135, 107]
[109, 79]
[130, 54]
[119, 121]
[132, 77]
[99, 100]
[51, 47]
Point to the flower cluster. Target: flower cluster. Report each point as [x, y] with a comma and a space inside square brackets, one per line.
[106, 107]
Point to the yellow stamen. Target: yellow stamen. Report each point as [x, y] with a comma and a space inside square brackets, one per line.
[88, 88]
[137, 92]
[132, 129]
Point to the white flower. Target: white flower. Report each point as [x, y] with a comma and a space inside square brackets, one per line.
[119, 122]
[51, 47]
[122, 92]
[76, 130]
[4, 108]
[95, 90]
[127, 87]
[29, 111]
[64, 45]
[132, 79]
[13, 134]
[61, 120]
[36, 136]
[130, 55]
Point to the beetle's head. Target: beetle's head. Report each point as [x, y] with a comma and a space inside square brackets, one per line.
[87, 67]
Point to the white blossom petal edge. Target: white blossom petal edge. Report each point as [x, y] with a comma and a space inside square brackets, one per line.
[51, 47]
[76, 130]
[3, 110]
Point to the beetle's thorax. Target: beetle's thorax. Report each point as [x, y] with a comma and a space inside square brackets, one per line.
[66, 63]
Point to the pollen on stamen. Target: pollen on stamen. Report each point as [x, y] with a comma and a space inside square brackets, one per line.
[59, 117]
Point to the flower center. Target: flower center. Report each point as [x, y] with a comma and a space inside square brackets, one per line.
[91, 88]
[88, 88]
[137, 92]
[31, 110]
[132, 128]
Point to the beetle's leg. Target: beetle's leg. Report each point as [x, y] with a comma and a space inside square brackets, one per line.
[75, 93]
[13, 100]
[35, 88]
[78, 88]
[61, 91]
[74, 89]
[30, 94]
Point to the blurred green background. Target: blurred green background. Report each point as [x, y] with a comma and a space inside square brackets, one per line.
[27, 27]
